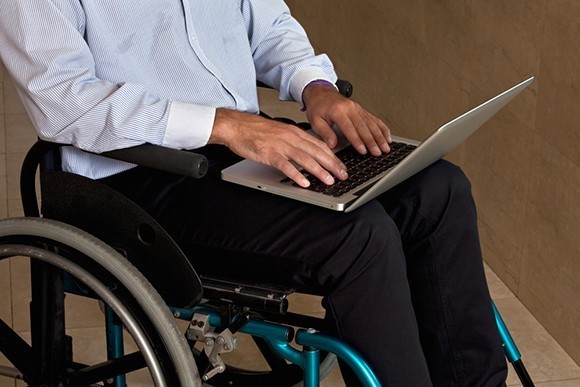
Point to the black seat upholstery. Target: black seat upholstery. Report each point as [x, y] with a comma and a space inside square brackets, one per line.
[109, 216]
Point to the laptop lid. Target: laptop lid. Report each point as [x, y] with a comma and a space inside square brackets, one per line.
[259, 176]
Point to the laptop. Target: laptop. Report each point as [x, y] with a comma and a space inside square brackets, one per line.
[406, 158]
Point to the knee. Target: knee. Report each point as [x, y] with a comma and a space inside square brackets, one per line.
[446, 194]
[373, 237]
[372, 226]
[447, 181]
[442, 188]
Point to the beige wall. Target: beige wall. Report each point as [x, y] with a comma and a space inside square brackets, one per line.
[419, 63]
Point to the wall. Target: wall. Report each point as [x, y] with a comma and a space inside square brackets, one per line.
[419, 63]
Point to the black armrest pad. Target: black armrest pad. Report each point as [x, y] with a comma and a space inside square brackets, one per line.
[344, 87]
[176, 161]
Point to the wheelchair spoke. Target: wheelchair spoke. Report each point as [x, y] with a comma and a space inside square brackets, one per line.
[106, 370]
[18, 352]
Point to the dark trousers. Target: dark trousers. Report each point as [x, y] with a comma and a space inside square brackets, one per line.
[402, 277]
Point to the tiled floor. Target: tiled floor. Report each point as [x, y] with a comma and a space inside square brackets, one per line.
[546, 361]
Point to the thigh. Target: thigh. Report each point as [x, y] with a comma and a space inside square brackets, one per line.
[226, 229]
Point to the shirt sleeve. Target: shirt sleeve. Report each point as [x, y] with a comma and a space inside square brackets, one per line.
[53, 70]
[283, 55]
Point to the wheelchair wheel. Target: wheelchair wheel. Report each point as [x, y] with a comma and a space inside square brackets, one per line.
[117, 283]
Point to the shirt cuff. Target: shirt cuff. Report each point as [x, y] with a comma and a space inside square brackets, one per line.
[301, 79]
[188, 126]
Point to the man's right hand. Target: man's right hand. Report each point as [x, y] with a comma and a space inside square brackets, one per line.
[277, 144]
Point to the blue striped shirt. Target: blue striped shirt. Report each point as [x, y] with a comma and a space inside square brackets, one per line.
[110, 74]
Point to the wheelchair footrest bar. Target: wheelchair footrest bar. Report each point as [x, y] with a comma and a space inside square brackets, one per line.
[280, 336]
[347, 354]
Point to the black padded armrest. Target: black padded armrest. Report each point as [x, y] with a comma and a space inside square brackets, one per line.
[176, 161]
[181, 162]
[344, 87]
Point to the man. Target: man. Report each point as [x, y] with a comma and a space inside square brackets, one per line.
[402, 276]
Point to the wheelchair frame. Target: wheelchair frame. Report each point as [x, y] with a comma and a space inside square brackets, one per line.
[41, 364]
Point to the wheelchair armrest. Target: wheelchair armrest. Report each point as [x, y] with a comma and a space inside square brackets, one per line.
[181, 162]
[344, 87]
[176, 161]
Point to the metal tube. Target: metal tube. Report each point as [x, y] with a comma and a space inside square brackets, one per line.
[509, 346]
[311, 367]
[347, 354]
[115, 345]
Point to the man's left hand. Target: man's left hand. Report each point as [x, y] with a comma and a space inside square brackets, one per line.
[326, 107]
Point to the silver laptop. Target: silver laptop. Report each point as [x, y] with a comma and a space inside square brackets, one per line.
[406, 158]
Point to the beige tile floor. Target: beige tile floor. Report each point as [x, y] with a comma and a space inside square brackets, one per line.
[546, 361]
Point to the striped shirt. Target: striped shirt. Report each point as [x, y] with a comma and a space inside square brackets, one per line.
[110, 74]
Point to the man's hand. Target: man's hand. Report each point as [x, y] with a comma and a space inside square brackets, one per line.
[277, 144]
[326, 107]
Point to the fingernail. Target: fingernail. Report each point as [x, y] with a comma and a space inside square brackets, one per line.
[329, 179]
[343, 174]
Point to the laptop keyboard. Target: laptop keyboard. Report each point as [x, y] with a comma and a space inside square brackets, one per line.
[360, 168]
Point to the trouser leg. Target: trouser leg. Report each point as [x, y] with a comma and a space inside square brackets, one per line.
[437, 220]
[370, 306]
[355, 260]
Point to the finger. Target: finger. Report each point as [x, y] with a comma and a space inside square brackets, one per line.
[350, 131]
[361, 133]
[325, 131]
[309, 164]
[380, 133]
[324, 157]
[321, 146]
[288, 169]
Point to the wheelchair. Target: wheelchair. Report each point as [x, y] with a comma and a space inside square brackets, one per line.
[90, 241]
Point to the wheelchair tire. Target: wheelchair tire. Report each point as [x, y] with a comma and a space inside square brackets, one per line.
[101, 269]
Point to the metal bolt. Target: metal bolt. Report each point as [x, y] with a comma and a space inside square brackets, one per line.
[200, 324]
